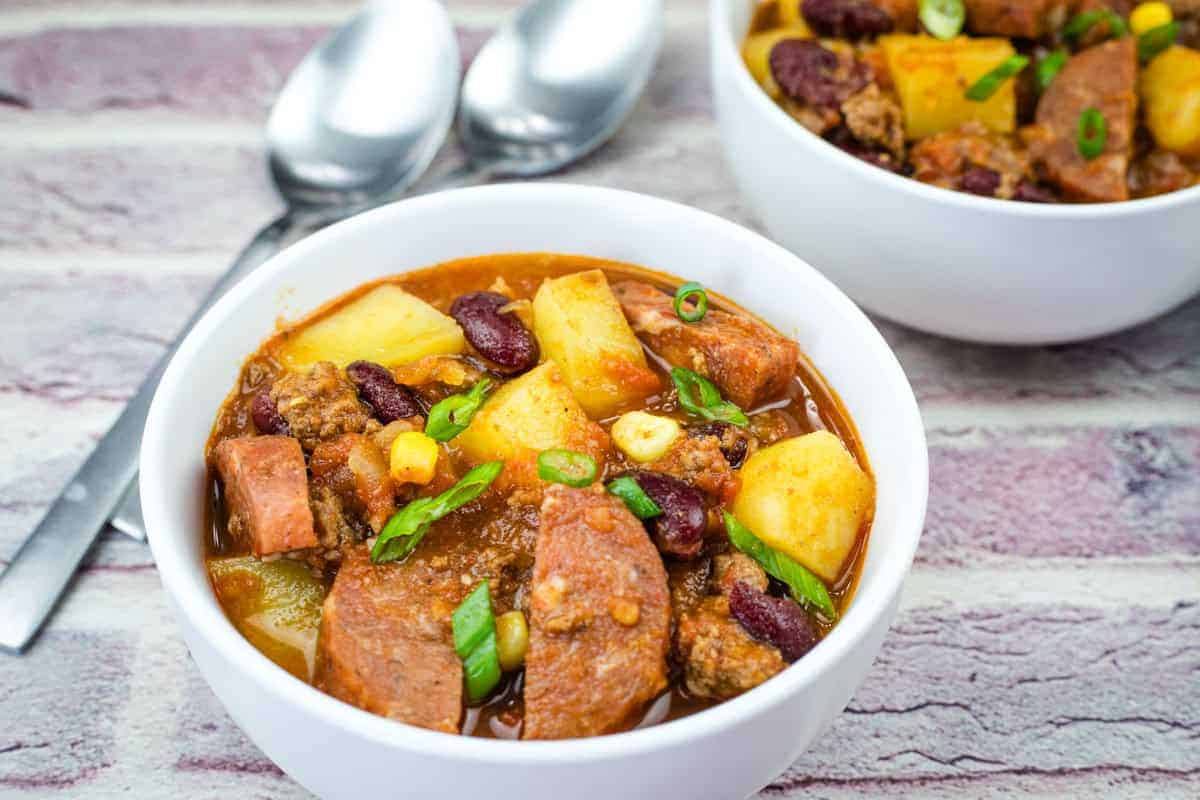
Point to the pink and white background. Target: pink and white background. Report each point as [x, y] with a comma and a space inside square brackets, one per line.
[1049, 638]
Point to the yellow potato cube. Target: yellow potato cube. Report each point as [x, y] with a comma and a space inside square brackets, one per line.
[644, 437]
[413, 458]
[932, 77]
[806, 497]
[529, 414]
[386, 325]
[1170, 89]
[1148, 16]
[756, 51]
[580, 326]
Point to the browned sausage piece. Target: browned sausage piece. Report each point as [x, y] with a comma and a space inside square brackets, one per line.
[1102, 77]
[1030, 19]
[749, 362]
[386, 645]
[600, 620]
[266, 491]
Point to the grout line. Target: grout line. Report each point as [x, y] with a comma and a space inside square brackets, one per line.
[945, 418]
[112, 130]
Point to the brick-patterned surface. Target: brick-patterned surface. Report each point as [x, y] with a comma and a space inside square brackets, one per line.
[1049, 640]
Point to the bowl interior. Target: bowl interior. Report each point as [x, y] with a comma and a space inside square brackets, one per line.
[532, 218]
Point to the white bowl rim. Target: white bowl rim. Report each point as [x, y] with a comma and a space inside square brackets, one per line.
[721, 22]
[871, 602]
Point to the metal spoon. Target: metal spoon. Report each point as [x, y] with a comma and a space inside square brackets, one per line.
[360, 118]
[552, 85]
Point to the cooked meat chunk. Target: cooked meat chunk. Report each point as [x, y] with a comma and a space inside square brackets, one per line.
[266, 492]
[720, 660]
[1030, 19]
[875, 119]
[729, 568]
[599, 618]
[1159, 172]
[902, 12]
[354, 467]
[1103, 77]
[749, 362]
[320, 404]
[699, 462]
[972, 160]
[386, 642]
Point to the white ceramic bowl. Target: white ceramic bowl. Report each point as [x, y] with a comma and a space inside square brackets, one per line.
[336, 750]
[941, 261]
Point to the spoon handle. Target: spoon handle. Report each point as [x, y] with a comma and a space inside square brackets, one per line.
[43, 566]
[468, 173]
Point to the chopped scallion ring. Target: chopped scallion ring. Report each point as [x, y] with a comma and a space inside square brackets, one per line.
[943, 18]
[475, 642]
[451, 416]
[690, 313]
[1091, 134]
[699, 396]
[987, 86]
[1049, 67]
[1082, 22]
[640, 503]
[567, 467]
[1155, 40]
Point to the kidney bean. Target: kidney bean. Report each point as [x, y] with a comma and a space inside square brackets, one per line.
[773, 619]
[499, 337]
[846, 19]
[266, 415]
[377, 388]
[733, 443]
[680, 530]
[815, 75]
[980, 180]
[1029, 192]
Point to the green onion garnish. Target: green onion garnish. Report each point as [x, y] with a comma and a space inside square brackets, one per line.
[408, 526]
[451, 416]
[1091, 133]
[806, 588]
[567, 467]
[1082, 22]
[1155, 40]
[686, 312]
[699, 396]
[475, 642]
[640, 503]
[943, 18]
[1049, 67]
[986, 86]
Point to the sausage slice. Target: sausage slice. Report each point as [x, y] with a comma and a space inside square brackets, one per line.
[749, 362]
[600, 618]
[266, 491]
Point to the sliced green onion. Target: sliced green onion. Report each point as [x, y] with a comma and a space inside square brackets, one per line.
[1091, 134]
[475, 642]
[987, 86]
[1049, 67]
[1155, 40]
[408, 526]
[567, 467]
[640, 503]
[686, 312]
[943, 18]
[1082, 22]
[699, 396]
[451, 416]
[806, 588]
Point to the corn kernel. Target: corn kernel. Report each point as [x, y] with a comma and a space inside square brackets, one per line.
[413, 458]
[644, 437]
[512, 639]
[1148, 16]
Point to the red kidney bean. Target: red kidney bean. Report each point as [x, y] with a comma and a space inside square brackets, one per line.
[266, 415]
[846, 19]
[499, 337]
[377, 388]
[680, 530]
[815, 75]
[773, 619]
[733, 442]
[980, 180]
[1029, 192]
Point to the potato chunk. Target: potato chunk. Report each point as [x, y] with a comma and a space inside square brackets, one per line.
[808, 498]
[1170, 87]
[387, 325]
[276, 605]
[529, 414]
[580, 327]
[932, 77]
